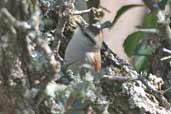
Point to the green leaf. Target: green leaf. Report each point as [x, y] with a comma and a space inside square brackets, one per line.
[131, 42]
[134, 39]
[140, 63]
[162, 4]
[136, 47]
[135, 44]
[142, 55]
[150, 21]
[122, 10]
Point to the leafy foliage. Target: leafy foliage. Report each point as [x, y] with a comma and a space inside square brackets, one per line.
[150, 21]
[134, 43]
[131, 42]
[141, 56]
[122, 10]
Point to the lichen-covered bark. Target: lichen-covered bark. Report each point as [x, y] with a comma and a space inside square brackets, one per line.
[14, 59]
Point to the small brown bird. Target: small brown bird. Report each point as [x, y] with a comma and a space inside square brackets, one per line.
[85, 47]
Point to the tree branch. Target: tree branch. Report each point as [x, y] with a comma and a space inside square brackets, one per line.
[4, 13]
[165, 29]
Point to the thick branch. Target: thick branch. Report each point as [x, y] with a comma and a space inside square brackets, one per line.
[18, 24]
[157, 94]
[133, 76]
[52, 71]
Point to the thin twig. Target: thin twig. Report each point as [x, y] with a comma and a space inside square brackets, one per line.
[121, 78]
[165, 58]
[167, 90]
[167, 50]
[81, 12]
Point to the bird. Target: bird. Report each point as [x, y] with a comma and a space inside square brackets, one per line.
[85, 47]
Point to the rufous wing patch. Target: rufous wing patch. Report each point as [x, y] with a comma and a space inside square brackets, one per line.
[97, 62]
